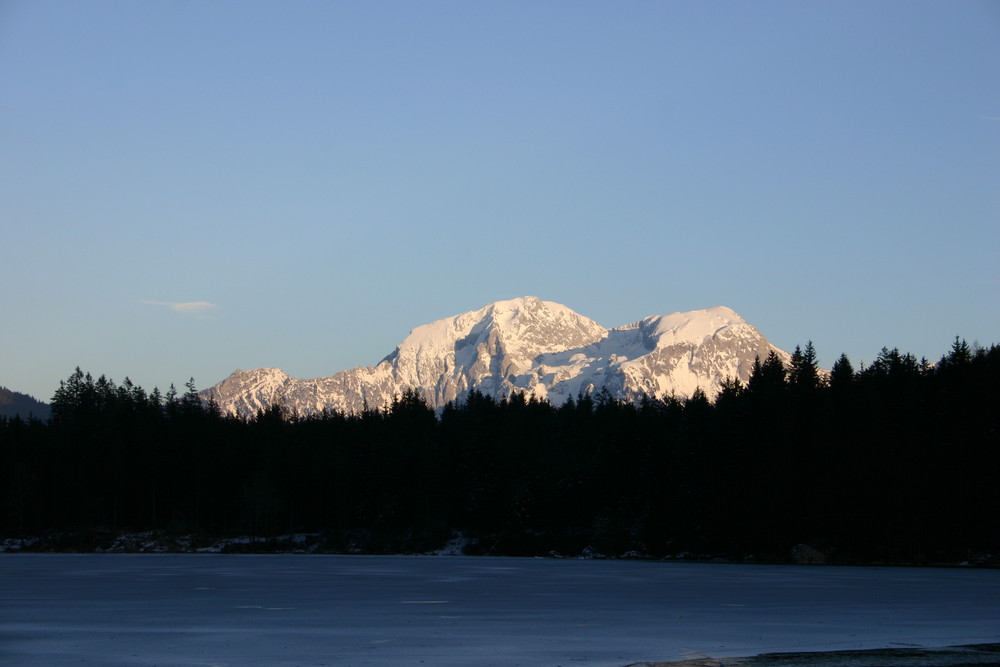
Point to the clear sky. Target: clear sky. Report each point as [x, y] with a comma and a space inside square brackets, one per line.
[188, 188]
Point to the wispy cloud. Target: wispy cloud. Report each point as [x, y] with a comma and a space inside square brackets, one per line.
[995, 119]
[192, 308]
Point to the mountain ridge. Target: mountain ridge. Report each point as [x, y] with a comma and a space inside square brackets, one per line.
[541, 348]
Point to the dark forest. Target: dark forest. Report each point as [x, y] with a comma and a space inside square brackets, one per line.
[895, 462]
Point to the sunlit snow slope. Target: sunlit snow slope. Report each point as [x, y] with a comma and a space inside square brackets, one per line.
[527, 345]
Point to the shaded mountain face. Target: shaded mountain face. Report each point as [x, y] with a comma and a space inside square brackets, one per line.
[16, 404]
[527, 345]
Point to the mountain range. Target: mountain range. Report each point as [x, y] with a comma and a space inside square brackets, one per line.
[540, 348]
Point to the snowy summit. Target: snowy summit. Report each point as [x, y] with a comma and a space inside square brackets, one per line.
[527, 345]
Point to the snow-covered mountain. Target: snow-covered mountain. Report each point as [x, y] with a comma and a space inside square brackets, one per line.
[525, 345]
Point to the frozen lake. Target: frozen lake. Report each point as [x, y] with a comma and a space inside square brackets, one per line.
[58, 609]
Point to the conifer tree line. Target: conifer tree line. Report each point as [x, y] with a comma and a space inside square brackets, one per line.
[896, 461]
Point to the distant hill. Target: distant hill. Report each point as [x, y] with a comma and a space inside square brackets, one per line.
[14, 404]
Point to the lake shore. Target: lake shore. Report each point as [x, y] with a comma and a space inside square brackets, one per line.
[103, 540]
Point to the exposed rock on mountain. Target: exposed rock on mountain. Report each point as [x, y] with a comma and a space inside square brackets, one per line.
[525, 345]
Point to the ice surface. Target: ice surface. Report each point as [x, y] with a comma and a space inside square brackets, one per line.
[398, 610]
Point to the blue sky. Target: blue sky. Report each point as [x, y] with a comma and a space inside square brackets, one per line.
[188, 188]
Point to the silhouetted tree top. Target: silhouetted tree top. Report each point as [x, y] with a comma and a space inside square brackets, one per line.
[960, 355]
[842, 373]
[804, 372]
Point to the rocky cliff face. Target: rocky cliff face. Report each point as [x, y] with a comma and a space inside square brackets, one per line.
[525, 345]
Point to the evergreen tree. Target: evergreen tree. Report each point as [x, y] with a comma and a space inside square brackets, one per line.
[960, 354]
[768, 378]
[842, 374]
[804, 373]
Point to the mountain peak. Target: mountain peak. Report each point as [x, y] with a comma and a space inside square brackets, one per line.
[531, 326]
[692, 326]
[524, 322]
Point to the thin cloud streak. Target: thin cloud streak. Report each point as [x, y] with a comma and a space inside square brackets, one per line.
[193, 308]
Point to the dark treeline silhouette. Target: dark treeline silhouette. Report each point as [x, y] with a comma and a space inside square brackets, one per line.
[894, 462]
